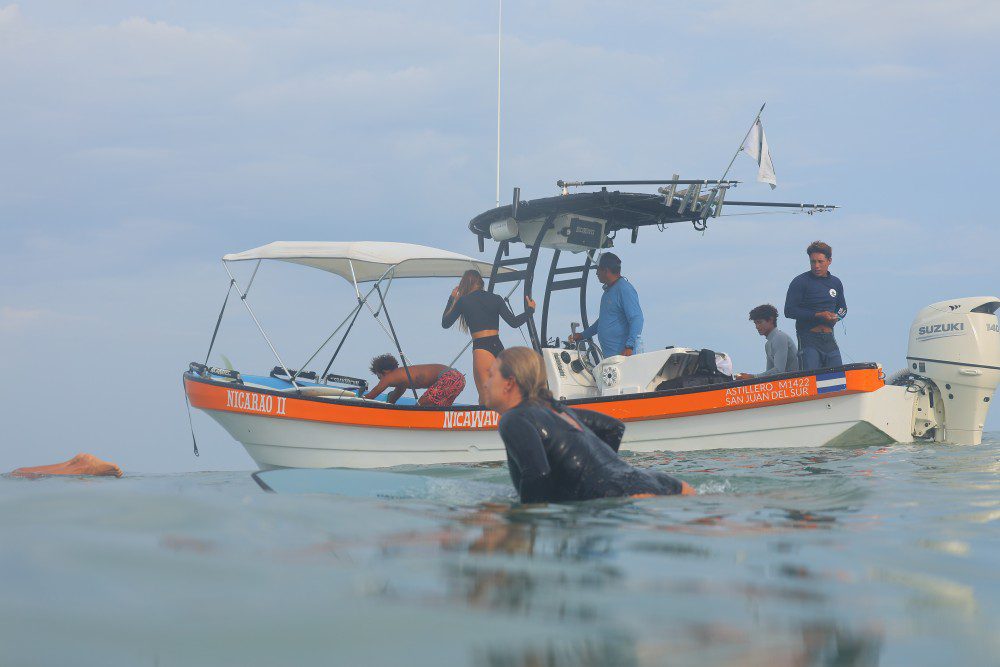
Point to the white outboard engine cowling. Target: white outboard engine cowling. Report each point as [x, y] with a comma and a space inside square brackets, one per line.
[956, 344]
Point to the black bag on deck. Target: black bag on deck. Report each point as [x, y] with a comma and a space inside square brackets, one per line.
[705, 373]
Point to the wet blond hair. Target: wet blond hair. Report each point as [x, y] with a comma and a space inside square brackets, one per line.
[525, 367]
[471, 281]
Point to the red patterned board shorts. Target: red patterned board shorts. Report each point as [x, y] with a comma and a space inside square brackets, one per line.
[445, 389]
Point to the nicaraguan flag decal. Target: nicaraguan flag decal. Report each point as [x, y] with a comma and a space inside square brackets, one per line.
[828, 382]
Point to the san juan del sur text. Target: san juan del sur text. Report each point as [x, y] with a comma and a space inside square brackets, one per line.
[768, 391]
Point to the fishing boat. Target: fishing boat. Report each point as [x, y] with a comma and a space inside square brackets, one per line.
[671, 398]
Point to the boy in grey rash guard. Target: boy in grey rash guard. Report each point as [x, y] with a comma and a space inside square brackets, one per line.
[779, 348]
[816, 302]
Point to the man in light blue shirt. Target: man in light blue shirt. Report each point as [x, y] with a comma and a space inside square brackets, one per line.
[619, 325]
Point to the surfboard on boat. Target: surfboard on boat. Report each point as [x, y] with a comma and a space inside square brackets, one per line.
[378, 484]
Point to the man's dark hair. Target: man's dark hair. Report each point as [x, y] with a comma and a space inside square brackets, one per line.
[611, 262]
[383, 363]
[765, 312]
[819, 246]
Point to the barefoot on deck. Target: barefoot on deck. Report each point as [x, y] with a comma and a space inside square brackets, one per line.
[81, 464]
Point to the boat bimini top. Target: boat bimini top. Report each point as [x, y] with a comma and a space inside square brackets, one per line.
[376, 262]
[367, 261]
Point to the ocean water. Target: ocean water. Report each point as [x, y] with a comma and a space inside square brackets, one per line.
[871, 556]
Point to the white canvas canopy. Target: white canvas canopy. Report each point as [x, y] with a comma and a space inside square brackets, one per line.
[368, 259]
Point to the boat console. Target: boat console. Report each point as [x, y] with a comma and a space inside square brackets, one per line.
[571, 374]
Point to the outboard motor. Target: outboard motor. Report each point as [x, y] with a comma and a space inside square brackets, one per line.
[956, 345]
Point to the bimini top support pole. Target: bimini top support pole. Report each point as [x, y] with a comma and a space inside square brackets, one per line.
[253, 276]
[354, 279]
[219, 321]
[243, 298]
[354, 318]
[395, 339]
[353, 315]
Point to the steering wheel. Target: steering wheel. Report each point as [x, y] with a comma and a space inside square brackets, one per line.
[587, 351]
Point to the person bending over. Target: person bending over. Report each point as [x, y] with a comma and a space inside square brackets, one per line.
[443, 384]
[480, 312]
[557, 454]
[779, 348]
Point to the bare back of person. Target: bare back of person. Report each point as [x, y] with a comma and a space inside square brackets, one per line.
[423, 376]
[81, 464]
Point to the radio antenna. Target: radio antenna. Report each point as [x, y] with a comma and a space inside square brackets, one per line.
[499, 36]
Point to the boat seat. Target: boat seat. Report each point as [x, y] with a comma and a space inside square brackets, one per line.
[318, 391]
[350, 397]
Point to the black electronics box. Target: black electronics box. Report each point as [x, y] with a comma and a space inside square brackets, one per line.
[585, 232]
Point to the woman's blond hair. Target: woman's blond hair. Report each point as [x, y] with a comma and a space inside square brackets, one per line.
[525, 367]
[471, 281]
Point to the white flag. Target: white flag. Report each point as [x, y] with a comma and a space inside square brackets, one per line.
[756, 147]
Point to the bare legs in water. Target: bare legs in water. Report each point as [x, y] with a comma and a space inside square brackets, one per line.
[81, 464]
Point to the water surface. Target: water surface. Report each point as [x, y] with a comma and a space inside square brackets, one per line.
[874, 556]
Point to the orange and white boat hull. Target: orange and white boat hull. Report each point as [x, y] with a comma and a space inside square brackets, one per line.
[280, 429]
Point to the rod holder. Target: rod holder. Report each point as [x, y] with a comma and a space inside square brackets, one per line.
[720, 199]
[668, 193]
[690, 199]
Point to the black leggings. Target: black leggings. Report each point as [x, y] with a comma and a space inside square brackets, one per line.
[491, 344]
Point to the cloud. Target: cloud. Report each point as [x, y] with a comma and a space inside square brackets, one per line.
[10, 16]
[849, 24]
[21, 320]
[893, 72]
[12, 319]
[135, 244]
[142, 34]
[121, 154]
[360, 88]
[143, 27]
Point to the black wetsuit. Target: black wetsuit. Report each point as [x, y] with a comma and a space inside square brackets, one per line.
[551, 461]
[482, 311]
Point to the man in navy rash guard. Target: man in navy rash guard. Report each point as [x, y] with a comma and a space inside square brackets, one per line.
[815, 300]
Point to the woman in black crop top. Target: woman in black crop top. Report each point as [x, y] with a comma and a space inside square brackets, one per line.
[480, 312]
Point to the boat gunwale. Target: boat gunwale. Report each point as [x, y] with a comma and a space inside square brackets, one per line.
[358, 402]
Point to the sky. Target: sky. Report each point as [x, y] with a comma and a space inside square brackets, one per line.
[141, 141]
